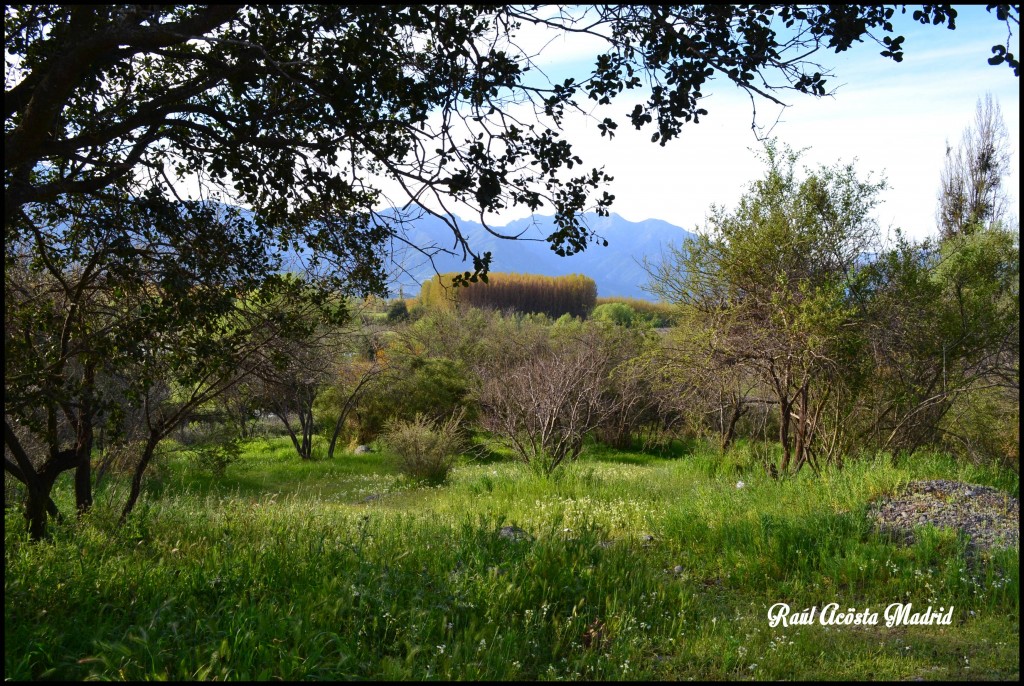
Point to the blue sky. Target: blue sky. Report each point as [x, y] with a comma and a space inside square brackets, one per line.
[893, 118]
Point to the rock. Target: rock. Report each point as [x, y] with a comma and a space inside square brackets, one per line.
[514, 533]
[362, 450]
[678, 570]
[986, 517]
[370, 498]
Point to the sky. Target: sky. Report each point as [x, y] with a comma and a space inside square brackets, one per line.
[891, 119]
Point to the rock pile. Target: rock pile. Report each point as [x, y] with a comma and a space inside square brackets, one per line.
[988, 517]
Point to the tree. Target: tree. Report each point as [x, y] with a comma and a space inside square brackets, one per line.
[971, 191]
[357, 371]
[943, 316]
[289, 373]
[770, 288]
[545, 405]
[131, 291]
[943, 328]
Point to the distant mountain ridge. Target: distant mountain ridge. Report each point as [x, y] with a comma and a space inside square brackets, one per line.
[616, 268]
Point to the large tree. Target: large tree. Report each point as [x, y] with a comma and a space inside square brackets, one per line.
[770, 288]
[971, 190]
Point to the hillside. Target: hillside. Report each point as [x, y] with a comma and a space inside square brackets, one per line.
[616, 268]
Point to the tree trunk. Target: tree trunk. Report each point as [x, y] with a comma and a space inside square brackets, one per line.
[38, 483]
[306, 423]
[784, 410]
[38, 504]
[83, 484]
[729, 432]
[140, 469]
[83, 447]
[35, 515]
[800, 450]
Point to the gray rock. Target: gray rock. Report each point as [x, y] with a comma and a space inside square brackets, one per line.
[362, 450]
[514, 533]
[987, 517]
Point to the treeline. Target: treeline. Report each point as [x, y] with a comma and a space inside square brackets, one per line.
[554, 296]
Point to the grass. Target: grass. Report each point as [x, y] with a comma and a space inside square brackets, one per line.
[640, 566]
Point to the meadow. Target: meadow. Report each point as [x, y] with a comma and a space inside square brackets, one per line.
[632, 565]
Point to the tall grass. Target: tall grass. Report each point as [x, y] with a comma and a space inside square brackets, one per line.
[637, 567]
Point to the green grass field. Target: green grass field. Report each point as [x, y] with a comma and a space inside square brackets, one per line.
[641, 566]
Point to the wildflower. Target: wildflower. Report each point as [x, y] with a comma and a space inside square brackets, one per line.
[440, 649]
[740, 484]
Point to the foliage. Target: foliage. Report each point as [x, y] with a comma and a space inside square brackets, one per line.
[398, 311]
[554, 296]
[619, 314]
[432, 386]
[426, 448]
[971, 191]
[657, 314]
[983, 426]
[216, 457]
[288, 375]
[631, 394]
[769, 289]
[944, 323]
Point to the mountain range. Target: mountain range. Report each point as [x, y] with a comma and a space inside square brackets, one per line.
[616, 268]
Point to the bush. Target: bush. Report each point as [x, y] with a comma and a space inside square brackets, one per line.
[216, 458]
[545, 405]
[433, 386]
[426, 448]
[616, 313]
[398, 311]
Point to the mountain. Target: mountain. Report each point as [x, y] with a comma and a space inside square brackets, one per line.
[616, 268]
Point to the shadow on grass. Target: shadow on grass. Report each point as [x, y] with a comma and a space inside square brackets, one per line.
[640, 453]
[273, 467]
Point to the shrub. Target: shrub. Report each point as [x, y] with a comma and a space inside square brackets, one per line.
[216, 458]
[657, 314]
[546, 404]
[398, 311]
[616, 313]
[433, 386]
[426, 448]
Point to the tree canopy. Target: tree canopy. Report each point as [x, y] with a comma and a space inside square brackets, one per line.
[292, 110]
